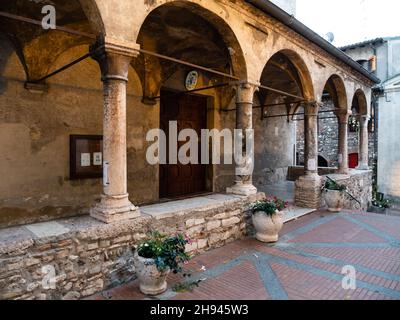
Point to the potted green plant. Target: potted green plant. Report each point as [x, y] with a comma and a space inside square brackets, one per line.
[155, 258]
[268, 219]
[379, 203]
[334, 195]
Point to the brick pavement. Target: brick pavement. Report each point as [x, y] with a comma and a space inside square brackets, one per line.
[306, 263]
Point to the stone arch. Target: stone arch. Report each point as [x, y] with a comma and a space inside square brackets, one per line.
[93, 14]
[360, 103]
[335, 87]
[297, 70]
[236, 55]
[38, 48]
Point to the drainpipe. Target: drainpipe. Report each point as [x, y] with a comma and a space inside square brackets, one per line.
[376, 93]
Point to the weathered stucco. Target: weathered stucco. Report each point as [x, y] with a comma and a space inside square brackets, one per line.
[229, 36]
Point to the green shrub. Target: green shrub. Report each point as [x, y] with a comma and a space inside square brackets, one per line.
[167, 252]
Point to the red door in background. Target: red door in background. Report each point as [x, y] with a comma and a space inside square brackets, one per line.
[353, 160]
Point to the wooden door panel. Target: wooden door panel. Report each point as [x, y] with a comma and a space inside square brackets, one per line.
[190, 112]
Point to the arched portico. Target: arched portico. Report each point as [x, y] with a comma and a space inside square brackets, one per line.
[184, 35]
[360, 112]
[335, 91]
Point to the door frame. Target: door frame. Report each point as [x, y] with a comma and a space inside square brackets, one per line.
[210, 170]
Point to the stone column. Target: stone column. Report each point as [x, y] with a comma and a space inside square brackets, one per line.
[244, 133]
[307, 192]
[343, 122]
[114, 59]
[363, 143]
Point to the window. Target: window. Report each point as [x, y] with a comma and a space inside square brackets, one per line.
[372, 64]
[364, 63]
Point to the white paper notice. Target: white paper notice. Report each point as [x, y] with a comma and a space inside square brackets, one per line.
[97, 159]
[85, 159]
[312, 165]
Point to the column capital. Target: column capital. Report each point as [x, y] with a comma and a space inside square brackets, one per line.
[343, 115]
[311, 108]
[365, 118]
[245, 91]
[114, 57]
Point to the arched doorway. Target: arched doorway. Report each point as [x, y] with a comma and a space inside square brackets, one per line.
[332, 123]
[188, 32]
[359, 129]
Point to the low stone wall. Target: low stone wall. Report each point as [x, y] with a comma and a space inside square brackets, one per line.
[359, 185]
[295, 173]
[94, 256]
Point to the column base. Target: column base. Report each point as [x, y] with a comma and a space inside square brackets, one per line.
[241, 189]
[308, 191]
[343, 171]
[363, 167]
[114, 209]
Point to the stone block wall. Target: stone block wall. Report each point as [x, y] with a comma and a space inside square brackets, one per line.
[328, 138]
[95, 256]
[359, 185]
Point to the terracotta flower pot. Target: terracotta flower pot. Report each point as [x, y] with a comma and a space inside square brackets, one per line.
[334, 200]
[152, 281]
[267, 227]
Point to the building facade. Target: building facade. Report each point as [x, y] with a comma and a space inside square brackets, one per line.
[78, 105]
[382, 56]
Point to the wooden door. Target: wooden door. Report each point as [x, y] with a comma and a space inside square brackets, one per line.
[189, 111]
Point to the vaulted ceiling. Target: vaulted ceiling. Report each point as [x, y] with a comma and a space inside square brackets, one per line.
[39, 48]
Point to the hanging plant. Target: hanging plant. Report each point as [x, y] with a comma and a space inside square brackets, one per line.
[354, 124]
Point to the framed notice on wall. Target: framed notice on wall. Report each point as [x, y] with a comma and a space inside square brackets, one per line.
[86, 157]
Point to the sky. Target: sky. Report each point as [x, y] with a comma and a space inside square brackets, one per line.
[351, 21]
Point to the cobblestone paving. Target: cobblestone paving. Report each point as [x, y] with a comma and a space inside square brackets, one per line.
[306, 263]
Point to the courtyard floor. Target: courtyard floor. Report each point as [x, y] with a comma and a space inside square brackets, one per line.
[306, 263]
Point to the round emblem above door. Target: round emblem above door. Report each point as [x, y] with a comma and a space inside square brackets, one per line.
[191, 80]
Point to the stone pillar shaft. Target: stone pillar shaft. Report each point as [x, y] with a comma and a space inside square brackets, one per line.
[307, 191]
[244, 123]
[114, 61]
[311, 139]
[363, 143]
[343, 122]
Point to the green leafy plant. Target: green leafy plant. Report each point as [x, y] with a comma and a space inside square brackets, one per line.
[334, 186]
[354, 124]
[380, 201]
[186, 286]
[167, 252]
[269, 206]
